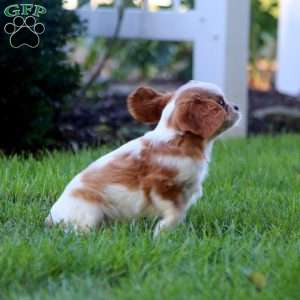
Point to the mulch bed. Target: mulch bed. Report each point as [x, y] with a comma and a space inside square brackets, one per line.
[273, 123]
[106, 119]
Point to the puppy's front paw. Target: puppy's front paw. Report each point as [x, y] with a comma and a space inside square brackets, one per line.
[157, 230]
[48, 221]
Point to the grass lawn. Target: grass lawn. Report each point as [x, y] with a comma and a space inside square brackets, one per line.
[241, 241]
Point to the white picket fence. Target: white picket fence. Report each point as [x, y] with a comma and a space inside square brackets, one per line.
[288, 57]
[218, 30]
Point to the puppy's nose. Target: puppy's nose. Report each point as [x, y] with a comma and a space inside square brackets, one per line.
[236, 107]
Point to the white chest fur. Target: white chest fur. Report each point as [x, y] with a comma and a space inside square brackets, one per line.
[191, 172]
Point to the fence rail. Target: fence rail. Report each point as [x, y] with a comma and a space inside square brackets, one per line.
[218, 30]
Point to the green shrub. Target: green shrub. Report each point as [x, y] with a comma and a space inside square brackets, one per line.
[264, 18]
[36, 83]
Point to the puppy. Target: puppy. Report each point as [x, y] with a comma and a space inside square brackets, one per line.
[160, 173]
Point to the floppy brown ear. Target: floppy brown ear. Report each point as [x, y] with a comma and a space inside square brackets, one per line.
[200, 117]
[146, 105]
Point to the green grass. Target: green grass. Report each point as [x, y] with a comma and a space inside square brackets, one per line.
[248, 221]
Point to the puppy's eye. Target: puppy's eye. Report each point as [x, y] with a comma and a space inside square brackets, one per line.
[221, 102]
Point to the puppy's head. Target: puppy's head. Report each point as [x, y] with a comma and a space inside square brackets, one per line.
[196, 107]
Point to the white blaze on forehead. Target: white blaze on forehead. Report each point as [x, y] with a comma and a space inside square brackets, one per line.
[162, 133]
[207, 86]
[167, 112]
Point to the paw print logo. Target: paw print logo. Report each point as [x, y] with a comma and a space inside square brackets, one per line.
[24, 32]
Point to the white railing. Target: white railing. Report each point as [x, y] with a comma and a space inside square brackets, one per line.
[288, 54]
[217, 28]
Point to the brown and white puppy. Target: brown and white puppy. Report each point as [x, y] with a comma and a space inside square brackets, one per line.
[160, 173]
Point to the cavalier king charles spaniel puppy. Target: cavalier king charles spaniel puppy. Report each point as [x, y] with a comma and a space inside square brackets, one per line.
[159, 174]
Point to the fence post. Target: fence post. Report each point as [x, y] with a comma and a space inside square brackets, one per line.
[287, 77]
[220, 52]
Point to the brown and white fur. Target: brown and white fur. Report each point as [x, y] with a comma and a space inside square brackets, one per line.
[160, 173]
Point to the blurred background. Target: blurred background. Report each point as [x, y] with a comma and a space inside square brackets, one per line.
[71, 90]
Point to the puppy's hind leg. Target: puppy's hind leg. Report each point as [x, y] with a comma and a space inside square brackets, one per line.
[74, 212]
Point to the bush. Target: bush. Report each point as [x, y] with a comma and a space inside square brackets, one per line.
[36, 83]
[264, 17]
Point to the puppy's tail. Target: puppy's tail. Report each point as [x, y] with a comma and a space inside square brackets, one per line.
[49, 221]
